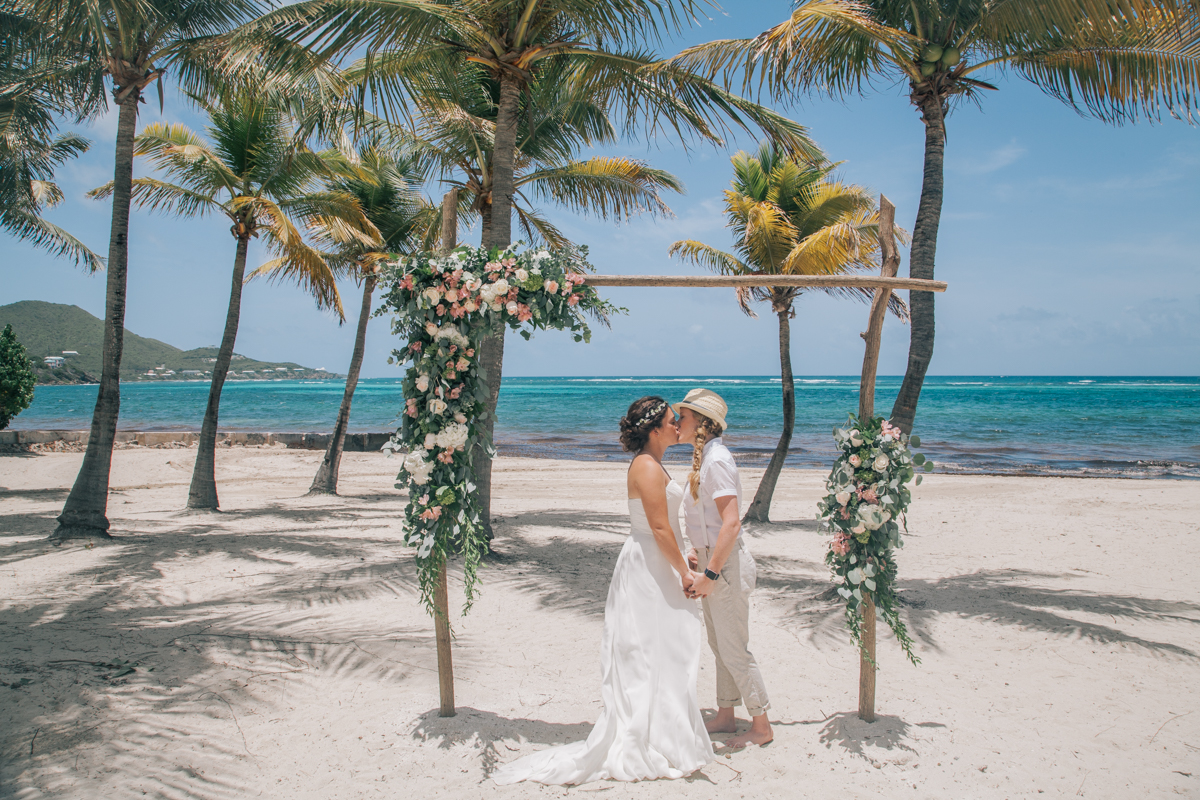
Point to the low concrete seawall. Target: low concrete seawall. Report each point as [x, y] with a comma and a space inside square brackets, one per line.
[355, 442]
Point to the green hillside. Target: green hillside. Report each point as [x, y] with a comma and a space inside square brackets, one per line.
[49, 329]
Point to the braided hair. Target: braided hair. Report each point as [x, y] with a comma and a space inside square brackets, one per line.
[706, 428]
[643, 416]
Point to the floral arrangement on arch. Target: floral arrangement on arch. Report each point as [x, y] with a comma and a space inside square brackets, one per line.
[443, 307]
[864, 509]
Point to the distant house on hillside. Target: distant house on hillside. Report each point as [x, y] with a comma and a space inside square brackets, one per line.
[54, 361]
[249, 372]
[70, 352]
[192, 372]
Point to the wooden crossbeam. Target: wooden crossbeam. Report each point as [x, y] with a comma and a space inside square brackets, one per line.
[814, 281]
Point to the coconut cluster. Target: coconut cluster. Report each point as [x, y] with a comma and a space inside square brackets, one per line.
[935, 57]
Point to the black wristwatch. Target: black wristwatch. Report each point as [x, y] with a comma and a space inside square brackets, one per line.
[712, 576]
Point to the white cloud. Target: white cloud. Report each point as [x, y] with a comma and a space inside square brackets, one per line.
[991, 161]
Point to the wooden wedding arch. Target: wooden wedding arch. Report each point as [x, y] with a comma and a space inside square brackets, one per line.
[884, 284]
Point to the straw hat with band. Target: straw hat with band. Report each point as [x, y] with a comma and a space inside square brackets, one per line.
[706, 402]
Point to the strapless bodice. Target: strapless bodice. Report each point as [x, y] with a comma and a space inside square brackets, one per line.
[640, 526]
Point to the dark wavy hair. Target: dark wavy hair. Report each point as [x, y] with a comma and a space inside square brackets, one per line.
[643, 416]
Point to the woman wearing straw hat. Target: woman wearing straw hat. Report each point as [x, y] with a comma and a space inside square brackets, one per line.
[712, 517]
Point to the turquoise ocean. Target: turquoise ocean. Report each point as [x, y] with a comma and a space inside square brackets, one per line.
[1082, 426]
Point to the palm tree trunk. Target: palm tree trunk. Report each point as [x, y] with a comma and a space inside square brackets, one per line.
[760, 506]
[921, 261]
[326, 478]
[85, 512]
[491, 355]
[202, 494]
[485, 219]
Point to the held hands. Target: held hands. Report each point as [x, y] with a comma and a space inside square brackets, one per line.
[693, 560]
[701, 586]
[696, 585]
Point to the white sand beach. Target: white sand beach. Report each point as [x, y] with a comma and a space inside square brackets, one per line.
[280, 650]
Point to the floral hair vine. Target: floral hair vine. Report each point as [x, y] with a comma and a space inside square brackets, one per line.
[651, 414]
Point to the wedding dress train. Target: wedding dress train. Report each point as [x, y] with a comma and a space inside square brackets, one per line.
[651, 725]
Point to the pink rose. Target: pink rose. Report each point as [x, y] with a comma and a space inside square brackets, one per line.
[551, 286]
[855, 460]
[462, 364]
[441, 309]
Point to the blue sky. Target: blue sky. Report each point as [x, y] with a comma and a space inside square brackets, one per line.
[1069, 247]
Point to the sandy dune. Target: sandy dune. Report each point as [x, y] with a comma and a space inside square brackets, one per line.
[279, 650]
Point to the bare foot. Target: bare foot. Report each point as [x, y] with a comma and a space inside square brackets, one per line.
[750, 737]
[760, 733]
[723, 722]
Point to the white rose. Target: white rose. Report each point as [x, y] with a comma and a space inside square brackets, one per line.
[500, 287]
[452, 436]
[521, 275]
[496, 306]
[459, 416]
[511, 308]
[431, 328]
[855, 439]
[417, 466]
[422, 383]
[437, 405]
[434, 294]
[859, 528]
[842, 498]
[471, 306]
[881, 463]
[430, 441]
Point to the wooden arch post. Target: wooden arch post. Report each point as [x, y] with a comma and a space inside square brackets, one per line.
[441, 595]
[866, 410]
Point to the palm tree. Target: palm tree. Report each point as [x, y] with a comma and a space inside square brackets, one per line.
[132, 45]
[387, 193]
[416, 48]
[256, 172]
[1115, 61]
[790, 218]
[457, 134]
[35, 86]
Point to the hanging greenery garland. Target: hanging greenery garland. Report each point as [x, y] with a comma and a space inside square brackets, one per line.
[864, 509]
[443, 307]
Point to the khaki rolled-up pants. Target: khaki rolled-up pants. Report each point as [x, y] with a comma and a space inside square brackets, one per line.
[727, 617]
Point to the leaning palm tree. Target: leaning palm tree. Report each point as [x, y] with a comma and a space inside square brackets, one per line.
[790, 218]
[415, 48]
[386, 190]
[1116, 61]
[256, 172]
[133, 45]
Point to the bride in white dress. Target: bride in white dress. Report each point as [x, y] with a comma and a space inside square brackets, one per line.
[651, 725]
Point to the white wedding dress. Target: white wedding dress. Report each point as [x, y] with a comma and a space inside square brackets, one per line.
[651, 725]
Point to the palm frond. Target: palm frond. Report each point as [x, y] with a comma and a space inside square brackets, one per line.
[605, 186]
[157, 195]
[1141, 68]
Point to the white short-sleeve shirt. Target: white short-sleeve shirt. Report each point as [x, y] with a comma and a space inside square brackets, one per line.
[718, 478]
